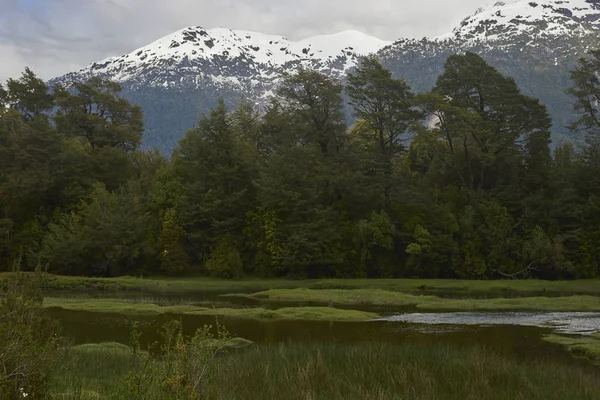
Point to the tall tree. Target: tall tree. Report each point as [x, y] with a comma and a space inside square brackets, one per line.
[384, 103]
[586, 90]
[502, 124]
[215, 168]
[316, 104]
[97, 113]
[3, 97]
[29, 95]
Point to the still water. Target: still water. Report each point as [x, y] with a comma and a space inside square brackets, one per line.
[560, 322]
[512, 332]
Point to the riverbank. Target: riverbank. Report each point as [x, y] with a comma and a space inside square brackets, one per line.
[458, 288]
[133, 309]
[580, 346]
[375, 297]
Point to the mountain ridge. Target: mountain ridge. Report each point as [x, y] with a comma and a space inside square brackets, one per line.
[180, 76]
[534, 18]
[334, 53]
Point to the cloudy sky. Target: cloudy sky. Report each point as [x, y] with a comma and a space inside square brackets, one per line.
[57, 36]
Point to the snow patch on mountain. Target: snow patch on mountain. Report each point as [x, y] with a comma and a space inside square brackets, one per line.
[183, 74]
[535, 18]
[251, 63]
[235, 53]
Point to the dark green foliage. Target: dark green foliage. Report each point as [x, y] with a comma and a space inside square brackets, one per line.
[98, 115]
[28, 339]
[420, 62]
[476, 193]
[215, 168]
[225, 260]
[107, 235]
[55, 149]
[384, 103]
[314, 105]
[29, 95]
[586, 91]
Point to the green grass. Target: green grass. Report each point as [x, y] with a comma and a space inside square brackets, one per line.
[129, 308]
[203, 284]
[359, 371]
[558, 304]
[582, 346]
[389, 298]
[90, 371]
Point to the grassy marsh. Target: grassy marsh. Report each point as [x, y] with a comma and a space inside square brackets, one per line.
[129, 308]
[389, 298]
[583, 346]
[90, 371]
[363, 371]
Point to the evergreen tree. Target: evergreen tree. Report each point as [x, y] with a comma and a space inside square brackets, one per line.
[217, 172]
[586, 91]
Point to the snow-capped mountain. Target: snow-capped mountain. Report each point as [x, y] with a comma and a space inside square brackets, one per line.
[180, 76]
[535, 19]
[537, 42]
[195, 55]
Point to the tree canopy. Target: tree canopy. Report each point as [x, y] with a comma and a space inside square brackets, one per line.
[457, 182]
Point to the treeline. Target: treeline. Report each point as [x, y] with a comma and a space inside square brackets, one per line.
[458, 182]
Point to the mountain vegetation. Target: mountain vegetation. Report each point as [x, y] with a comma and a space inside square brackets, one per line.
[476, 193]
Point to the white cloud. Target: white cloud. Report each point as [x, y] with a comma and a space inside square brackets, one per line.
[57, 36]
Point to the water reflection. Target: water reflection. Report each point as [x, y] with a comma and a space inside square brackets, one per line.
[87, 327]
[561, 322]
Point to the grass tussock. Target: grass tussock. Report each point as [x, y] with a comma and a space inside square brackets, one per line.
[361, 371]
[388, 298]
[91, 371]
[581, 346]
[129, 308]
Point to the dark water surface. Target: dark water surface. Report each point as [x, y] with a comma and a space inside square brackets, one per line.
[88, 327]
[515, 333]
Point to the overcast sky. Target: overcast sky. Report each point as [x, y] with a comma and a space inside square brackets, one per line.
[53, 37]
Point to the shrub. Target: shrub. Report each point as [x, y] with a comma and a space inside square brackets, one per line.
[28, 339]
[181, 367]
[225, 260]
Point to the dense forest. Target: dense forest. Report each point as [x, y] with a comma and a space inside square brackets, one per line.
[458, 182]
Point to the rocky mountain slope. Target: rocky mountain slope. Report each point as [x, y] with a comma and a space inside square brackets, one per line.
[182, 75]
[536, 42]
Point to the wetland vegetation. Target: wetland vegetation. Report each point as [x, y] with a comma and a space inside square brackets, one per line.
[305, 343]
[409, 301]
[338, 372]
[133, 308]
[587, 346]
[202, 284]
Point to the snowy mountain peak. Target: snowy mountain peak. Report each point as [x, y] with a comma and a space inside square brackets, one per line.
[195, 46]
[182, 75]
[536, 18]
